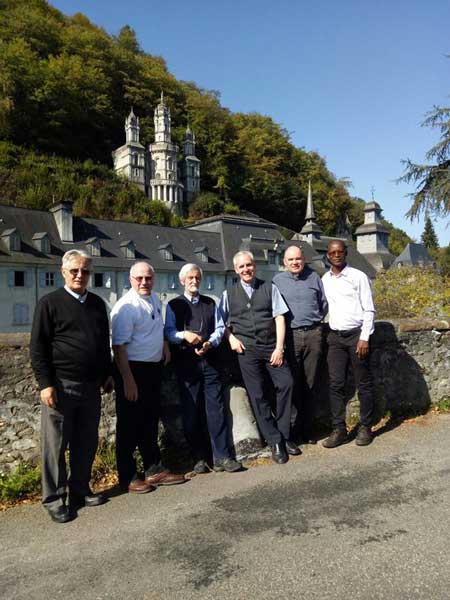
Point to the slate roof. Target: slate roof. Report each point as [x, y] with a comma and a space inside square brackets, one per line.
[111, 234]
[413, 254]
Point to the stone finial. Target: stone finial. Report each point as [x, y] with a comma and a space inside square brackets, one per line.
[310, 215]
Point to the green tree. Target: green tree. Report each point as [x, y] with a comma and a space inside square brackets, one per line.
[432, 181]
[429, 238]
[444, 261]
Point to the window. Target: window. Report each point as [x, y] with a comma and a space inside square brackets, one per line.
[15, 243]
[210, 282]
[102, 280]
[19, 278]
[20, 314]
[272, 257]
[172, 281]
[49, 279]
[98, 279]
[202, 253]
[166, 252]
[45, 245]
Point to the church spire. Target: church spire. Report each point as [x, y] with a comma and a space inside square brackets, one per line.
[310, 229]
[132, 127]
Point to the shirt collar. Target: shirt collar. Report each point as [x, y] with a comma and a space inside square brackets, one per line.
[80, 297]
[343, 273]
[248, 286]
[192, 299]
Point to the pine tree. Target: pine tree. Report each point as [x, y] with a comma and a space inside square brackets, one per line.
[429, 237]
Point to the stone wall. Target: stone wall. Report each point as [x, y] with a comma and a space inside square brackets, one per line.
[410, 362]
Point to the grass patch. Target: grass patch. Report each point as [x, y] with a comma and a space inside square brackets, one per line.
[443, 406]
[23, 483]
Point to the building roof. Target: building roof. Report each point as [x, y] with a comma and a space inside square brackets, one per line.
[413, 254]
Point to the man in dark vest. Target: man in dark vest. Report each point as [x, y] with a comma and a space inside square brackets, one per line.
[194, 329]
[71, 360]
[254, 311]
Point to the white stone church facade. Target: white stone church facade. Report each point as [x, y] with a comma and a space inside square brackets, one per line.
[157, 170]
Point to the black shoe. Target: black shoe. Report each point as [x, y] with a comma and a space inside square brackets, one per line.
[364, 437]
[279, 454]
[201, 467]
[227, 464]
[62, 514]
[77, 501]
[292, 448]
[336, 438]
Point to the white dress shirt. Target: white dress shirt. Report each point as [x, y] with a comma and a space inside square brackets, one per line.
[137, 322]
[350, 302]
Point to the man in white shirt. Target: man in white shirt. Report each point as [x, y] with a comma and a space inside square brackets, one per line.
[351, 317]
[139, 350]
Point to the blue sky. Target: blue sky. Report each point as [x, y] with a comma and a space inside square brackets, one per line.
[352, 80]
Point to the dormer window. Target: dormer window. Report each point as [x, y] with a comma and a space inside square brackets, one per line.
[202, 253]
[271, 257]
[41, 242]
[93, 246]
[128, 249]
[11, 238]
[166, 252]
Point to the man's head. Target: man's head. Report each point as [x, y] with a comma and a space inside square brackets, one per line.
[190, 276]
[337, 254]
[76, 270]
[244, 265]
[293, 260]
[142, 278]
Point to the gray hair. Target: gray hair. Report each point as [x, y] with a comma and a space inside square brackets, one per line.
[141, 262]
[187, 268]
[70, 255]
[238, 255]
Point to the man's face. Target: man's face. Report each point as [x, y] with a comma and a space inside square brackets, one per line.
[191, 282]
[76, 274]
[142, 279]
[294, 260]
[336, 254]
[245, 268]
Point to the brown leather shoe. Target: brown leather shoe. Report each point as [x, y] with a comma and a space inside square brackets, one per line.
[164, 478]
[137, 486]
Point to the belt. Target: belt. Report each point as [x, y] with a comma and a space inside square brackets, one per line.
[307, 327]
[346, 332]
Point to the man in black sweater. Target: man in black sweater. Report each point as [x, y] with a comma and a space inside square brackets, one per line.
[71, 359]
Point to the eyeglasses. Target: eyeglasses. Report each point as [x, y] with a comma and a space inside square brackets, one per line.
[74, 272]
[140, 278]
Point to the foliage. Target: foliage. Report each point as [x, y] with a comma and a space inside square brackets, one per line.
[411, 292]
[429, 238]
[444, 261]
[208, 204]
[24, 481]
[398, 239]
[432, 180]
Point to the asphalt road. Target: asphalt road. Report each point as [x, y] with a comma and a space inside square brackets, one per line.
[350, 523]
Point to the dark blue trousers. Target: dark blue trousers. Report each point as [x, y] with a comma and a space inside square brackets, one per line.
[204, 418]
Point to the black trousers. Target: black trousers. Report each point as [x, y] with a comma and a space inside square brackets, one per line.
[204, 419]
[304, 349]
[137, 422]
[341, 354]
[255, 365]
[72, 423]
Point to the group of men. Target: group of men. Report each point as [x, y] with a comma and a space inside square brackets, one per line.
[275, 328]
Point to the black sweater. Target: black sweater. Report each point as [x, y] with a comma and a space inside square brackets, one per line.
[70, 339]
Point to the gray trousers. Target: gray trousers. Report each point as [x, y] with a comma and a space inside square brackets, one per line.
[73, 424]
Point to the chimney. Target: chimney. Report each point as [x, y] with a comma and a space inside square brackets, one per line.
[62, 213]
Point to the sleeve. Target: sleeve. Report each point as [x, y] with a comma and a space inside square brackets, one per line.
[42, 333]
[171, 332]
[224, 308]
[366, 299]
[122, 324]
[322, 299]
[217, 335]
[279, 306]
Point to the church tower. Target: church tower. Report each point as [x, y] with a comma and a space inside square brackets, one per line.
[190, 168]
[164, 184]
[130, 160]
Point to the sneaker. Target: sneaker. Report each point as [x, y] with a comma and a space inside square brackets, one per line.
[227, 464]
[201, 467]
[364, 437]
[336, 438]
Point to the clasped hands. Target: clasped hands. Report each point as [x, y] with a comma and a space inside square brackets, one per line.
[194, 339]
